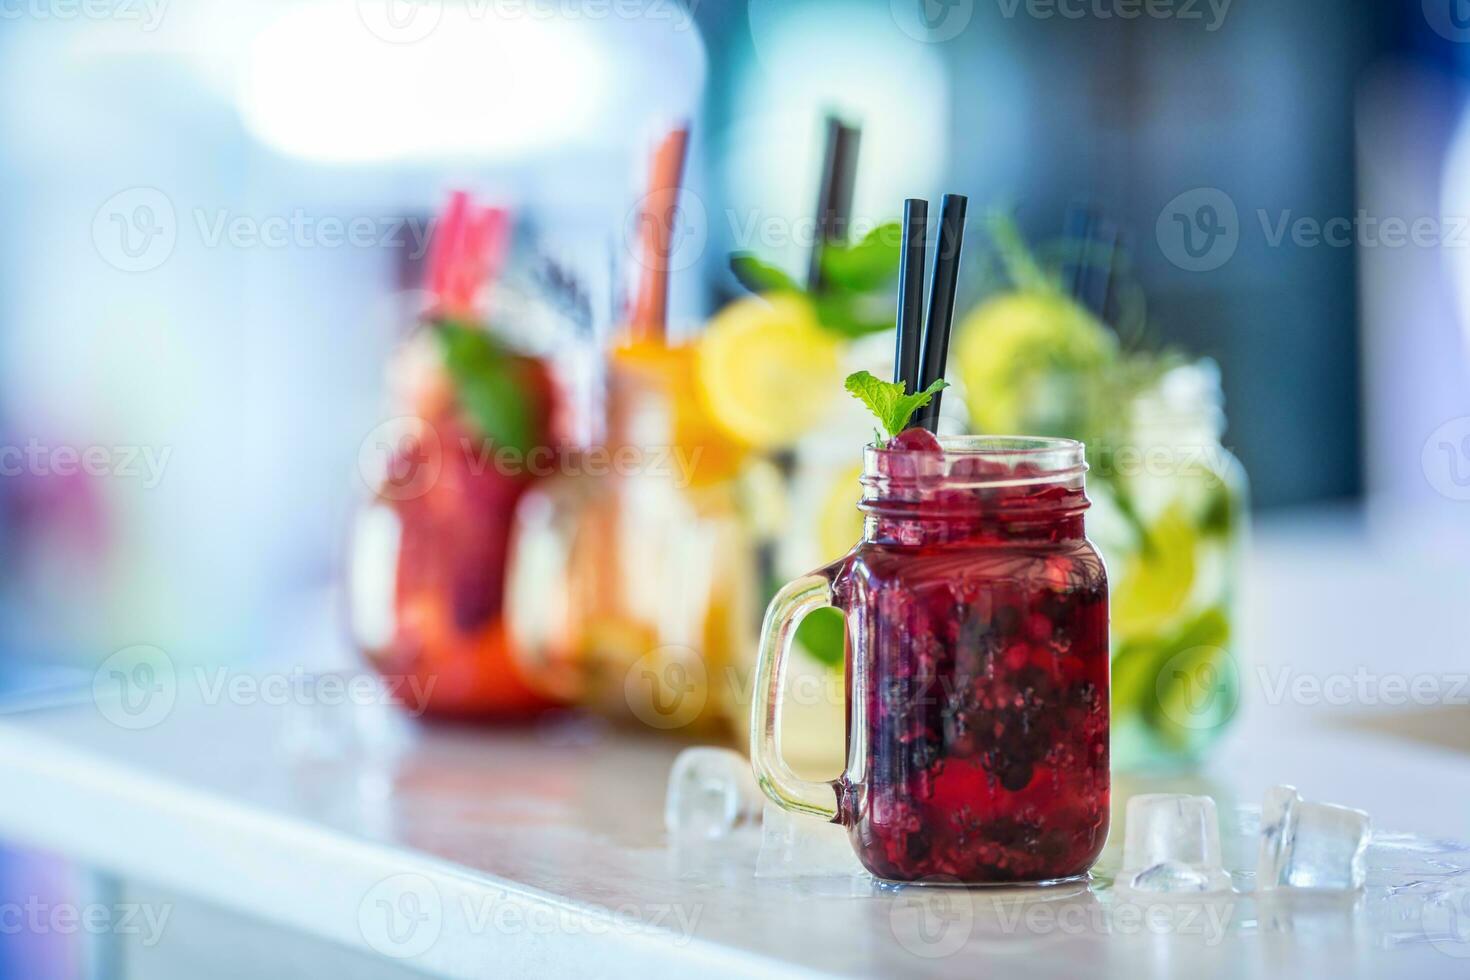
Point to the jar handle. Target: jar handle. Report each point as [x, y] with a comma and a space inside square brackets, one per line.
[788, 790]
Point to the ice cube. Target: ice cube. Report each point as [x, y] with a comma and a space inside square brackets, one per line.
[1171, 876]
[1172, 845]
[1308, 845]
[711, 792]
[797, 845]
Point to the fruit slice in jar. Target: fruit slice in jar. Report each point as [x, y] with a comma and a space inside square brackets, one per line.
[768, 372]
[1156, 580]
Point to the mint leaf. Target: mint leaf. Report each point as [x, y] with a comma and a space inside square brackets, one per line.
[488, 384]
[864, 265]
[887, 400]
[854, 315]
[761, 277]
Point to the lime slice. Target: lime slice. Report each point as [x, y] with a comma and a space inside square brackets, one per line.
[1016, 354]
[768, 372]
[1155, 582]
[1175, 691]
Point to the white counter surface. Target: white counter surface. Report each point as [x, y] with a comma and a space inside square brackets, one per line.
[462, 852]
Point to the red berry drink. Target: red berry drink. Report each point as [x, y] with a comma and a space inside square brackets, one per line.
[977, 623]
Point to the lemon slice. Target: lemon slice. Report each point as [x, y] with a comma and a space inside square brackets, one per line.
[768, 372]
[1156, 581]
[1015, 353]
[839, 522]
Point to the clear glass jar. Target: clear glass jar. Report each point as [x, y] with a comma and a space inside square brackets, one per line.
[977, 637]
[429, 551]
[1171, 519]
[633, 579]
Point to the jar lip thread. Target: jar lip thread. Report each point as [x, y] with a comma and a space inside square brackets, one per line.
[971, 445]
[1015, 461]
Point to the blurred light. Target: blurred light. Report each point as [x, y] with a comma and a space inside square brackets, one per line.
[321, 84]
[821, 57]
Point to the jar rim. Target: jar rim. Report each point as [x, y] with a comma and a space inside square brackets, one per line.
[1017, 461]
[972, 445]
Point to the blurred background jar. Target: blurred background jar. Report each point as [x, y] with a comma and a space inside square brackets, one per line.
[631, 586]
[1171, 520]
[1062, 346]
[632, 592]
[429, 551]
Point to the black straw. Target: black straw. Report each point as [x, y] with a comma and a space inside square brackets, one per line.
[911, 293]
[834, 197]
[1089, 273]
[1080, 221]
[941, 302]
[1097, 285]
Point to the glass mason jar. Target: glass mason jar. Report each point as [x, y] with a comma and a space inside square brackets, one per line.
[1170, 517]
[632, 581]
[429, 550]
[977, 665]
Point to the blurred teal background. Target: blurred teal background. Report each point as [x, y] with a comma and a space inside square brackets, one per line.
[214, 213]
[214, 218]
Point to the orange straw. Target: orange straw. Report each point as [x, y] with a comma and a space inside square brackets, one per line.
[649, 319]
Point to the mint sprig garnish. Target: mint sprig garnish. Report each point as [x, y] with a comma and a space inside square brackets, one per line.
[855, 297]
[888, 401]
[761, 277]
[866, 265]
[489, 385]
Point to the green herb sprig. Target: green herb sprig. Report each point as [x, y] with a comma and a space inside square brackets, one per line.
[854, 298]
[888, 401]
